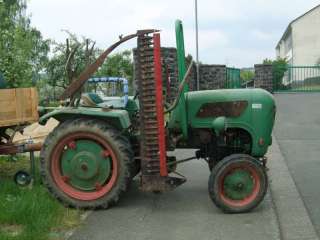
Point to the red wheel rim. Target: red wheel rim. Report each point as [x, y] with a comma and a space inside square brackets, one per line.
[247, 200]
[70, 190]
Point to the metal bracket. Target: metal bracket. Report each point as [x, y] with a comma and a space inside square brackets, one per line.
[160, 184]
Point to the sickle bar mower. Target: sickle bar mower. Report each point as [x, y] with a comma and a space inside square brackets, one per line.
[152, 144]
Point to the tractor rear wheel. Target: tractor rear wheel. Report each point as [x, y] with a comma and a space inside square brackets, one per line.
[86, 164]
[238, 183]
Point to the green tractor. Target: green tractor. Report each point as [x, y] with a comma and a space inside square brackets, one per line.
[89, 160]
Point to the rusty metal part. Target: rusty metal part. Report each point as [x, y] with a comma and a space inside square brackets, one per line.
[160, 184]
[149, 148]
[205, 135]
[219, 109]
[181, 161]
[76, 84]
[8, 149]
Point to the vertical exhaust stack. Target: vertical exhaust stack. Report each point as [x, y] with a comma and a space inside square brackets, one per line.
[152, 130]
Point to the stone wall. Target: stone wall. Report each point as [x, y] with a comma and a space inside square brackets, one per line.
[169, 72]
[211, 76]
[263, 76]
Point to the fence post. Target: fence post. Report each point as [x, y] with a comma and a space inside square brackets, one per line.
[263, 76]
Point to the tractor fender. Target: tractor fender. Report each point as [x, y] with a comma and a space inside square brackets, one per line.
[115, 117]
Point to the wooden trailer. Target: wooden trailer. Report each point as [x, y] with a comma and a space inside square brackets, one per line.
[18, 106]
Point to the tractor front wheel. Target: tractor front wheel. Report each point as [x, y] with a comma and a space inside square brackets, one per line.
[238, 183]
[86, 164]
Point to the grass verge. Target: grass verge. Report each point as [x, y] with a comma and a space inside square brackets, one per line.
[30, 213]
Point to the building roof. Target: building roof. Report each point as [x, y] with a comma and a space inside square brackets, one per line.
[288, 29]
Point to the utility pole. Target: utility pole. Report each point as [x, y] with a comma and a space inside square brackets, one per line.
[197, 44]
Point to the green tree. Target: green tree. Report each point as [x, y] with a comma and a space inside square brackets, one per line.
[279, 67]
[68, 60]
[62, 68]
[22, 49]
[246, 75]
[118, 65]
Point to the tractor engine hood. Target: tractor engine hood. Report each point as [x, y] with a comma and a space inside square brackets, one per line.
[252, 110]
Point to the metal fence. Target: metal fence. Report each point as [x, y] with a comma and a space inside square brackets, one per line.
[233, 78]
[299, 78]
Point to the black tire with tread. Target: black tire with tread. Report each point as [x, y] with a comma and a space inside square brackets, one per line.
[121, 146]
[218, 170]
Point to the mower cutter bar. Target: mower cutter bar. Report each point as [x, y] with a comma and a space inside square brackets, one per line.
[152, 128]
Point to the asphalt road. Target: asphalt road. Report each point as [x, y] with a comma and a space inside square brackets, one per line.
[186, 213]
[297, 131]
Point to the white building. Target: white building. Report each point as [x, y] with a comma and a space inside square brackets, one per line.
[300, 43]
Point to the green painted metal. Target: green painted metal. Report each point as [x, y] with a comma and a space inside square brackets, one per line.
[181, 53]
[85, 165]
[178, 119]
[116, 117]
[238, 185]
[219, 124]
[233, 78]
[132, 107]
[257, 119]
[299, 79]
[3, 83]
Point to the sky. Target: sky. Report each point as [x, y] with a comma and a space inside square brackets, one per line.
[238, 33]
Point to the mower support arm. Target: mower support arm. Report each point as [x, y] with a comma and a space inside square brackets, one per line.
[180, 90]
[76, 84]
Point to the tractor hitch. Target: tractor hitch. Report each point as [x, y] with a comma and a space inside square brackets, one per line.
[9, 149]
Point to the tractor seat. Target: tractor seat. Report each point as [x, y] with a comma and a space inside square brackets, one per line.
[94, 100]
[91, 100]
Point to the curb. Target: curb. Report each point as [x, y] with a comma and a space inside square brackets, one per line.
[293, 218]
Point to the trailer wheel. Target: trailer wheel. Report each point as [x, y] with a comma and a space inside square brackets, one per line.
[86, 164]
[22, 178]
[238, 183]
